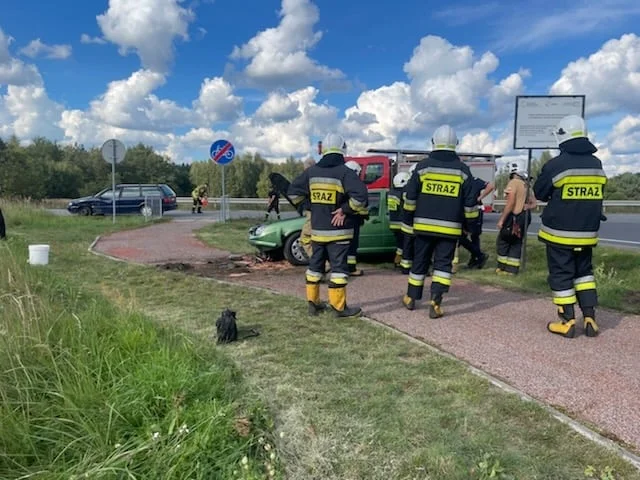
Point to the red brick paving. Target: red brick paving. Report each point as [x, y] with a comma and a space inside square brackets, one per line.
[503, 333]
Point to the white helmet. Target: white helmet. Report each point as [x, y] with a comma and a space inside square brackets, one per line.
[570, 127]
[401, 179]
[444, 138]
[515, 168]
[334, 143]
[353, 165]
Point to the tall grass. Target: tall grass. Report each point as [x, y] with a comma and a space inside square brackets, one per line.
[90, 391]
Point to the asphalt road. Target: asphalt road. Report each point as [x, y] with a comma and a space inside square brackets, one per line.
[620, 230]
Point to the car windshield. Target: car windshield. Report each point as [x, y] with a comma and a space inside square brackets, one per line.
[106, 194]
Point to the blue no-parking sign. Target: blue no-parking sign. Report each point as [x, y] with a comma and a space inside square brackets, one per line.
[222, 152]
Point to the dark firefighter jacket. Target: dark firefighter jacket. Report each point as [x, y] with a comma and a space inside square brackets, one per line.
[440, 196]
[394, 205]
[329, 185]
[572, 184]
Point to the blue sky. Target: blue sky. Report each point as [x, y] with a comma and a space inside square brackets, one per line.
[274, 75]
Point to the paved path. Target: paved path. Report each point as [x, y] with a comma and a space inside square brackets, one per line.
[596, 380]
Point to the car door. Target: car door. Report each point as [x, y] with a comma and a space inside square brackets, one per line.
[103, 202]
[371, 233]
[130, 199]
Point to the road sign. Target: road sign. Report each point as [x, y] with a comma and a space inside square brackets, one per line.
[113, 151]
[538, 115]
[222, 152]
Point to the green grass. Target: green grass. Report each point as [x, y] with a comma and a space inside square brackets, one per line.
[93, 389]
[616, 271]
[231, 236]
[354, 401]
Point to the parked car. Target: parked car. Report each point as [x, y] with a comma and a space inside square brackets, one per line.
[130, 198]
[284, 236]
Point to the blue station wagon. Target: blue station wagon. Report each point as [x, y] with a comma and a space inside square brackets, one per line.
[130, 198]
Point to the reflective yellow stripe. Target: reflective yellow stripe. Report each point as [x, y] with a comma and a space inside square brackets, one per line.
[445, 177]
[442, 280]
[338, 281]
[584, 241]
[326, 186]
[580, 287]
[327, 239]
[416, 283]
[409, 208]
[422, 227]
[580, 179]
[475, 213]
[565, 300]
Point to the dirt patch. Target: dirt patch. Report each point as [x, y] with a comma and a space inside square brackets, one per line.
[234, 266]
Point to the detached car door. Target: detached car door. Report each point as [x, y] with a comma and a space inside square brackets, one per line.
[375, 235]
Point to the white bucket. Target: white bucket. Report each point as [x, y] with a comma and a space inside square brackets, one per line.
[38, 254]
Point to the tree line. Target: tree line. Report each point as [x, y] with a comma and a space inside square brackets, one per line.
[45, 169]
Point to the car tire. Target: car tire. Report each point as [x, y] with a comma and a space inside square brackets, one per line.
[146, 211]
[293, 251]
[85, 211]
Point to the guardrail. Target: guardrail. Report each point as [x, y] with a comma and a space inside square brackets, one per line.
[497, 203]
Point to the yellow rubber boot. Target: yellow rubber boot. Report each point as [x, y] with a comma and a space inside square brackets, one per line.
[435, 310]
[590, 327]
[338, 301]
[566, 326]
[408, 302]
[313, 297]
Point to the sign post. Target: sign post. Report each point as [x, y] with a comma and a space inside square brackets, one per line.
[222, 152]
[536, 119]
[113, 152]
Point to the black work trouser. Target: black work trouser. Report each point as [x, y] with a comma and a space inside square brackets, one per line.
[399, 241]
[336, 253]
[509, 253]
[408, 252]
[352, 253]
[471, 243]
[274, 207]
[3, 231]
[441, 251]
[571, 276]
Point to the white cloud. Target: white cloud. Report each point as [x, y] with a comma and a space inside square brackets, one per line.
[37, 48]
[288, 137]
[278, 107]
[217, 101]
[278, 56]
[87, 39]
[625, 135]
[31, 112]
[610, 78]
[12, 70]
[147, 27]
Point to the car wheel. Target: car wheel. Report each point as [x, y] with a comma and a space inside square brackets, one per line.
[293, 251]
[146, 211]
[84, 211]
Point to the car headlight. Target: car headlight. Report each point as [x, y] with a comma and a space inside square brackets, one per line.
[258, 231]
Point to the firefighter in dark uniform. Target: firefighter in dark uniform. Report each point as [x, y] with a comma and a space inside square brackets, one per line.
[572, 184]
[477, 259]
[352, 254]
[394, 206]
[338, 197]
[407, 232]
[440, 198]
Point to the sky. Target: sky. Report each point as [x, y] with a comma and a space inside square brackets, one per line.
[275, 76]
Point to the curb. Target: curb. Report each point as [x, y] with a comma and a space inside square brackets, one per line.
[583, 430]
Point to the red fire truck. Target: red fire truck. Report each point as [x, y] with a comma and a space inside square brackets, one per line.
[378, 170]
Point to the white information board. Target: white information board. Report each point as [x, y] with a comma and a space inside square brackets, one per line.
[538, 115]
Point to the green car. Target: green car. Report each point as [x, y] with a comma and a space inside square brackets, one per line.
[284, 236]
